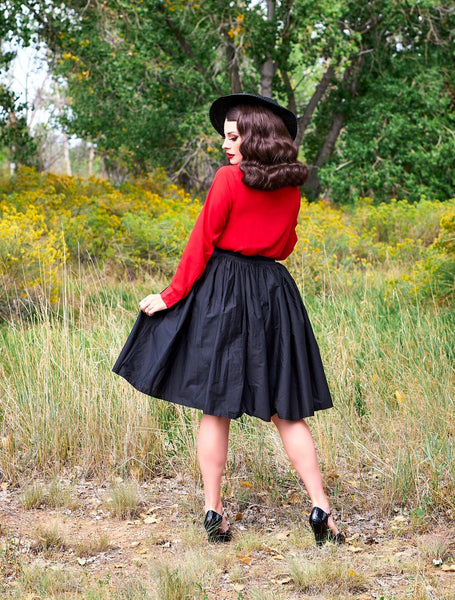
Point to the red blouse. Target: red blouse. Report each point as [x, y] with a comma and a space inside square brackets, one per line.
[236, 217]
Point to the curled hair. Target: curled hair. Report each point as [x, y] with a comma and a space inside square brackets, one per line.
[269, 155]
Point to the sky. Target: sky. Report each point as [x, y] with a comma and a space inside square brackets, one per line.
[28, 76]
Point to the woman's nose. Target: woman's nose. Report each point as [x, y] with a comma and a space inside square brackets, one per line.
[225, 145]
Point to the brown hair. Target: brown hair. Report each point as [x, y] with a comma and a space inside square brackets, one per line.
[269, 156]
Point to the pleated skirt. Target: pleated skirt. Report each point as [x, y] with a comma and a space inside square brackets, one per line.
[240, 343]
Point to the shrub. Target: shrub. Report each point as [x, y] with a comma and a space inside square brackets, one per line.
[48, 219]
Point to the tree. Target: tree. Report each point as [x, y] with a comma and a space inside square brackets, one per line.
[395, 107]
[141, 76]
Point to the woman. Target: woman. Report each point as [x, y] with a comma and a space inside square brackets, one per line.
[230, 335]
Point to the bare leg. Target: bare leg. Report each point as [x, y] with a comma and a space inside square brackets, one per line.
[212, 445]
[299, 445]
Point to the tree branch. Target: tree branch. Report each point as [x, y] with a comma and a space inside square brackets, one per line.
[185, 46]
[320, 90]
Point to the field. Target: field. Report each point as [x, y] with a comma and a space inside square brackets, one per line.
[101, 495]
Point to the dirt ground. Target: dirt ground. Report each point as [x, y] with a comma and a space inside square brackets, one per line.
[383, 558]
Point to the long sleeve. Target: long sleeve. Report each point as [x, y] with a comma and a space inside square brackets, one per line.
[208, 228]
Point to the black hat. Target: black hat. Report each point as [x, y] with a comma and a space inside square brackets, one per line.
[220, 107]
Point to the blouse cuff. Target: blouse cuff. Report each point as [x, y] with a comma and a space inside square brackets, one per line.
[169, 296]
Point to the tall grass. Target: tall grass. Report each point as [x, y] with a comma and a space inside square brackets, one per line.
[390, 365]
[390, 361]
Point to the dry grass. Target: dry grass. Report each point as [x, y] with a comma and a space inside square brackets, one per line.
[93, 546]
[389, 362]
[328, 577]
[54, 495]
[50, 538]
[33, 496]
[124, 501]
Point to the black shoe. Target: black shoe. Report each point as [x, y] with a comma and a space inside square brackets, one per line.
[212, 524]
[322, 532]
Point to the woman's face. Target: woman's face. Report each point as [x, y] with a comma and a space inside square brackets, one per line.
[232, 142]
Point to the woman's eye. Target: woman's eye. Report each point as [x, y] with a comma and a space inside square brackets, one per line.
[233, 139]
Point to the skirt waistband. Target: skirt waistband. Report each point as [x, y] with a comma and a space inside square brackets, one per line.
[242, 257]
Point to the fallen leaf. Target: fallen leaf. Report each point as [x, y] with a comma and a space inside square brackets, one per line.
[294, 498]
[244, 558]
[277, 557]
[141, 551]
[246, 484]
[353, 483]
[282, 580]
[238, 516]
[448, 568]
[282, 535]
[269, 550]
[81, 561]
[238, 587]
[119, 566]
[4, 485]
[355, 549]
[151, 520]
[352, 538]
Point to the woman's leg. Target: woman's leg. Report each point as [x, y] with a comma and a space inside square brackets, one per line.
[299, 445]
[212, 445]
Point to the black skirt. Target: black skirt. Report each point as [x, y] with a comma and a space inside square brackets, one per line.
[239, 343]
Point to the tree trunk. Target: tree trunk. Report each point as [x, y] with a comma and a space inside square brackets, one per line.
[350, 80]
[231, 56]
[292, 105]
[312, 184]
[91, 157]
[320, 90]
[66, 155]
[268, 68]
[267, 72]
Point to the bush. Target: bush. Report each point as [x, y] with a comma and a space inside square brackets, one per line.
[48, 219]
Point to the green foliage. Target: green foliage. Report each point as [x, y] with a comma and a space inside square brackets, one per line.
[435, 275]
[22, 148]
[140, 77]
[398, 141]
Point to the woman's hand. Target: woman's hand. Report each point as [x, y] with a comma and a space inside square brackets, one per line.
[152, 304]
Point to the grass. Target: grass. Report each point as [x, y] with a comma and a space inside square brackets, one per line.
[386, 449]
[124, 501]
[50, 538]
[389, 361]
[54, 495]
[328, 577]
[93, 546]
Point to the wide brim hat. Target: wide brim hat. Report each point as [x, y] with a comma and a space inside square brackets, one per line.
[222, 105]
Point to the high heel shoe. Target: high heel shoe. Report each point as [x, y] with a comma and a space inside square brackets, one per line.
[212, 524]
[322, 533]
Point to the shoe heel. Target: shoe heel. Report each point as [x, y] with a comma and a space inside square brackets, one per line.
[318, 523]
[322, 533]
[212, 524]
